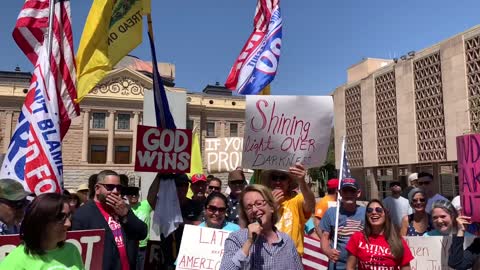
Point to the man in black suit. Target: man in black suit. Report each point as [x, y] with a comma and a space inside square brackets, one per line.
[123, 230]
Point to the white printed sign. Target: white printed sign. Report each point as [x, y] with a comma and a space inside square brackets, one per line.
[283, 130]
[201, 248]
[431, 253]
[223, 154]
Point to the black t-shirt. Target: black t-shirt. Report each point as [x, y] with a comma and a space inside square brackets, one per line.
[193, 210]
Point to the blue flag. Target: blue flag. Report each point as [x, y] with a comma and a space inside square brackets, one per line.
[162, 110]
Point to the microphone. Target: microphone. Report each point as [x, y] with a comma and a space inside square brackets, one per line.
[254, 235]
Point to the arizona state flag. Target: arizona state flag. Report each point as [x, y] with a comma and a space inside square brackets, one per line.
[113, 29]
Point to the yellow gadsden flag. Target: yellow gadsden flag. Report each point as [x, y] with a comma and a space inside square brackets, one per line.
[196, 165]
[113, 28]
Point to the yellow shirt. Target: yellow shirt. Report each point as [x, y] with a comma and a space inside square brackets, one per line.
[293, 219]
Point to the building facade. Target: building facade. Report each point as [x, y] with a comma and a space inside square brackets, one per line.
[104, 135]
[403, 115]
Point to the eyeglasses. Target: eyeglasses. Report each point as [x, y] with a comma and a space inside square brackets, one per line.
[15, 204]
[418, 200]
[280, 177]
[425, 183]
[257, 203]
[111, 187]
[375, 209]
[62, 217]
[214, 209]
[237, 183]
[214, 188]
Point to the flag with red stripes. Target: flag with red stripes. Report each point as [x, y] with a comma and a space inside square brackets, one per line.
[313, 258]
[34, 156]
[256, 66]
[30, 34]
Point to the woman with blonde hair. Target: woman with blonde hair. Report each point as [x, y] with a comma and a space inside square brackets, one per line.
[260, 245]
[378, 246]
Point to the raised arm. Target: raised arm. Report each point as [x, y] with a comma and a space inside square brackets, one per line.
[153, 191]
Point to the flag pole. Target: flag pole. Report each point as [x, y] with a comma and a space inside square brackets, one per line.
[51, 14]
[339, 197]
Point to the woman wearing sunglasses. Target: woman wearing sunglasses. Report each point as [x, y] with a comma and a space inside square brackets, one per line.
[420, 222]
[43, 233]
[215, 208]
[378, 246]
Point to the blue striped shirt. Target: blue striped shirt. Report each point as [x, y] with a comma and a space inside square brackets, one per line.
[281, 255]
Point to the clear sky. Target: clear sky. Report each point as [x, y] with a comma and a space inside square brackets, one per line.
[321, 38]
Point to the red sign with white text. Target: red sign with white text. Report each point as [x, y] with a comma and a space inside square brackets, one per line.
[89, 243]
[163, 150]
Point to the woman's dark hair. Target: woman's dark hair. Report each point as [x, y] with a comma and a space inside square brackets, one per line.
[214, 195]
[92, 181]
[43, 210]
[74, 196]
[389, 232]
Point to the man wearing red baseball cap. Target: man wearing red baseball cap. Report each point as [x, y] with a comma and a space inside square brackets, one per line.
[329, 200]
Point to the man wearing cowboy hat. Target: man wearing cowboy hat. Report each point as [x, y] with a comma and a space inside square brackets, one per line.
[294, 208]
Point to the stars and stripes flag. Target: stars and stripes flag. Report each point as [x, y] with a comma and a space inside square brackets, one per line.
[34, 156]
[313, 258]
[256, 66]
[345, 166]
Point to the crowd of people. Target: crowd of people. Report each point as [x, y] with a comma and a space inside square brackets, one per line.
[267, 221]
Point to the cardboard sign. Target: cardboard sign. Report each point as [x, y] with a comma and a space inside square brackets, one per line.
[223, 154]
[431, 253]
[468, 156]
[89, 243]
[201, 248]
[283, 130]
[163, 150]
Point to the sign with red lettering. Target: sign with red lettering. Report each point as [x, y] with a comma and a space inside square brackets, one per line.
[283, 130]
[468, 158]
[89, 243]
[201, 248]
[163, 150]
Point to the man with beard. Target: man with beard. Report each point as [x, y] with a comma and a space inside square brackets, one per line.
[13, 200]
[351, 219]
[108, 211]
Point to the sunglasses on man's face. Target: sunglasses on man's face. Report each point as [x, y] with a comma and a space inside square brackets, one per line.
[280, 177]
[375, 209]
[15, 204]
[111, 187]
[214, 188]
[425, 183]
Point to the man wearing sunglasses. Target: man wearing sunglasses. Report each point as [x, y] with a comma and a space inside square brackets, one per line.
[294, 209]
[13, 200]
[236, 183]
[425, 182]
[123, 230]
[214, 184]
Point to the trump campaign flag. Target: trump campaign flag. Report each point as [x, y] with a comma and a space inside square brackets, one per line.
[34, 156]
[257, 64]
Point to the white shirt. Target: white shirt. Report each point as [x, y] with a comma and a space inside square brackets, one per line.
[435, 198]
[398, 208]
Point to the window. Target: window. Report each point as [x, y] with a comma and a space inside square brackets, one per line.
[210, 129]
[123, 121]
[122, 154]
[98, 120]
[189, 124]
[98, 154]
[233, 129]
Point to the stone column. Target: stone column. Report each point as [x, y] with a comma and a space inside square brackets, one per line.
[8, 130]
[134, 134]
[111, 134]
[86, 131]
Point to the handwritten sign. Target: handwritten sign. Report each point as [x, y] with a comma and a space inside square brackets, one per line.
[201, 248]
[431, 253]
[283, 130]
[89, 243]
[223, 154]
[468, 156]
[163, 150]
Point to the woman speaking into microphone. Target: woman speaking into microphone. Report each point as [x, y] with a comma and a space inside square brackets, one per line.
[260, 245]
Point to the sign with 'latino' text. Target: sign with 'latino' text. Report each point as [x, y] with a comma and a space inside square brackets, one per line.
[201, 248]
[283, 130]
[468, 156]
[163, 150]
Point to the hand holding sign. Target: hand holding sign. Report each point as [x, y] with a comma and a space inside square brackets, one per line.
[462, 222]
[298, 172]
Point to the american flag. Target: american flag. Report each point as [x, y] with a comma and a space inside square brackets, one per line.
[30, 35]
[313, 258]
[34, 156]
[345, 167]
